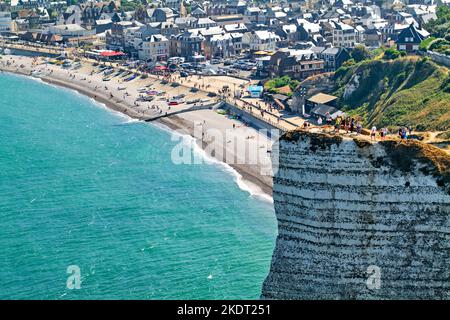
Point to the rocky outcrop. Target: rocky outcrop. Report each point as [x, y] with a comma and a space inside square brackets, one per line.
[360, 220]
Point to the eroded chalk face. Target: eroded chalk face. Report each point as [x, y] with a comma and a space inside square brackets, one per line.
[359, 220]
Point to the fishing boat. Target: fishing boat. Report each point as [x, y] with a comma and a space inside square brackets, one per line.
[67, 64]
[126, 74]
[108, 72]
[36, 74]
[118, 73]
[76, 66]
[131, 78]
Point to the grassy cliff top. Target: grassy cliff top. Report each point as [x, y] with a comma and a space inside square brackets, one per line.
[407, 91]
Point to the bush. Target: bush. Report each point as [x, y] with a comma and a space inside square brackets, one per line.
[423, 46]
[275, 83]
[391, 54]
[360, 53]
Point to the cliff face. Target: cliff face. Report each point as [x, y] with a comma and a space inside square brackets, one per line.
[351, 213]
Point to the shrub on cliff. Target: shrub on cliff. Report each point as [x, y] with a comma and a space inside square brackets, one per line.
[360, 53]
[392, 54]
[273, 84]
[404, 91]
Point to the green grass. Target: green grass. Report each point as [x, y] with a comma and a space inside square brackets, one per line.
[273, 84]
[406, 91]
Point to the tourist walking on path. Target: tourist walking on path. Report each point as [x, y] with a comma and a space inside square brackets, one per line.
[358, 128]
[373, 133]
[328, 118]
[337, 125]
[383, 133]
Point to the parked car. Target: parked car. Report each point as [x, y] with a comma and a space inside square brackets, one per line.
[184, 74]
[193, 101]
[215, 61]
[175, 102]
[186, 65]
[180, 96]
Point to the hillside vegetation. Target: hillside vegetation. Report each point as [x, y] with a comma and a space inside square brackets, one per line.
[407, 91]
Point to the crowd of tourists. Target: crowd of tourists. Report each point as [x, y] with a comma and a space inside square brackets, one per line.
[352, 125]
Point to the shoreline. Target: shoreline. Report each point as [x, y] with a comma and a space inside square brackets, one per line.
[255, 184]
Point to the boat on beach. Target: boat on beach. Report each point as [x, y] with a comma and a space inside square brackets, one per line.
[126, 74]
[134, 76]
[36, 73]
[76, 66]
[108, 72]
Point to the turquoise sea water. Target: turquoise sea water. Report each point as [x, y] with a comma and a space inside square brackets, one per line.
[82, 186]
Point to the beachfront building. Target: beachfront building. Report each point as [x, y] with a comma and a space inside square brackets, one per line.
[154, 48]
[344, 35]
[334, 58]
[410, 38]
[119, 37]
[261, 40]
[219, 46]
[298, 64]
[189, 44]
[70, 31]
[5, 21]
[87, 13]
[320, 104]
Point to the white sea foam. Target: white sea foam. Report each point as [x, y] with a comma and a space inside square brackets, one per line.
[245, 185]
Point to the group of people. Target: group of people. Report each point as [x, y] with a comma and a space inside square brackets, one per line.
[383, 133]
[350, 125]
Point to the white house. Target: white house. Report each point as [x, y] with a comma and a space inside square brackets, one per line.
[154, 48]
[261, 40]
[344, 35]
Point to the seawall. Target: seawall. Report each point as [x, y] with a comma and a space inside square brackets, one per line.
[360, 220]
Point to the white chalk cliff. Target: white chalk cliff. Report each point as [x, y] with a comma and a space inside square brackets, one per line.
[358, 220]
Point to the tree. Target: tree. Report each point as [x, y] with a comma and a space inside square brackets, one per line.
[440, 26]
[391, 54]
[360, 53]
